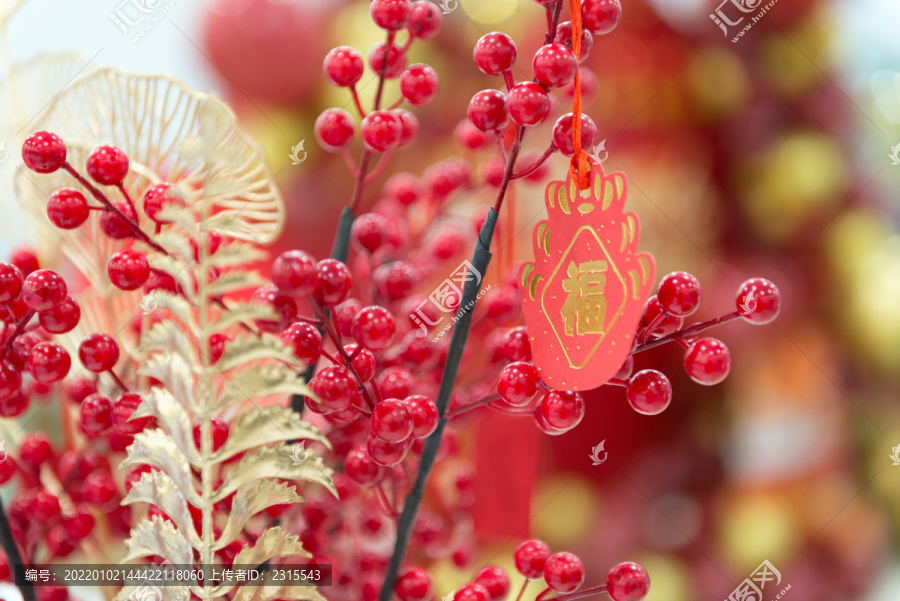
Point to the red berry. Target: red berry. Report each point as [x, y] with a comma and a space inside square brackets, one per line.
[7, 471]
[96, 415]
[98, 352]
[380, 131]
[107, 165]
[562, 134]
[115, 226]
[25, 260]
[487, 110]
[283, 307]
[361, 469]
[343, 66]
[373, 327]
[14, 404]
[294, 273]
[364, 361]
[758, 301]
[530, 557]
[554, 65]
[335, 387]
[61, 318]
[34, 451]
[44, 507]
[494, 53]
[663, 323]
[424, 414]
[344, 314]
[78, 524]
[125, 406]
[419, 84]
[217, 344]
[516, 345]
[128, 269]
[649, 392]
[468, 136]
[564, 572]
[99, 488]
[218, 429]
[43, 152]
[561, 409]
[589, 85]
[528, 104]
[334, 281]
[627, 582]
[424, 20]
[10, 282]
[395, 382]
[413, 585]
[395, 280]
[43, 290]
[472, 592]
[529, 159]
[564, 36]
[391, 421]
[305, 340]
[518, 383]
[386, 453]
[52, 593]
[48, 362]
[679, 294]
[334, 129]
[409, 127]
[391, 15]
[403, 187]
[495, 580]
[601, 16]
[369, 231]
[391, 60]
[10, 379]
[157, 198]
[707, 361]
[67, 208]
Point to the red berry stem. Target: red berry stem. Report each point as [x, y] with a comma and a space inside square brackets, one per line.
[20, 327]
[466, 408]
[680, 340]
[348, 160]
[386, 505]
[571, 596]
[355, 94]
[507, 174]
[127, 198]
[345, 359]
[97, 194]
[537, 164]
[522, 590]
[379, 167]
[508, 80]
[688, 332]
[617, 382]
[118, 382]
[12, 553]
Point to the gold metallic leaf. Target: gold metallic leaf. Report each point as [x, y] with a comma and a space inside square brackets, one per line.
[249, 500]
[179, 269]
[168, 335]
[261, 381]
[175, 304]
[264, 425]
[175, 421]
[273, 542]
[233, 281]
[248, 349]
[176, 242]
[275, 462]
[155, 448]
[175, 374]
[236, 253]
[241, 312]
[158, 537]
[156, 488]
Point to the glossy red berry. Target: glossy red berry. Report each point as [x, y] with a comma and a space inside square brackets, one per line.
[78, 524]
[11, 280]
[758, 301]
[363, 361]
[7, 471]
[49, 362]
[424, 414]
[663, 323]
[294, 273]
[707, 361]
[419, 84]
[469, 137]
[305, 340]
[334, 387]
[562, 134]
[413, 585]
[361, 469]
[395, 280]
[403, 187]
[395, 382]
[369, 231]
[649, 392]
[380, 131]
[425, 20]
[96, 414]
[157, 198]
[34, 451]
[14, 404]
[128, 269]
[217, 344]
[99, 488]
[386, 453]
[62, 318]
[98, 352]
[391, 421]
[564, 572]
[528, 104]
[494, 53]
[43, 290]
[344, 314]
[124, 407]
[79, 388]
[67, 208]
[679, 294]
[218, 430]
[564, 36]
[409, 127]
[391, 15]
[495, 580]
[373, 327]
[334, 129]
[530, 557]
[601, 16]
[334, 281]
[43, 152]
[107, 165]
[561, 409]
[487, 110]
[10, 379]
[627, 582]
[516, 344]
[283, 307]
[518, 383]
[472, 592]
[117, 227]
[391, 59]
[554, 65]
[343, 66]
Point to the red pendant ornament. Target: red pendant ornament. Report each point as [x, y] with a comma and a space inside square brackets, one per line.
[584, 293]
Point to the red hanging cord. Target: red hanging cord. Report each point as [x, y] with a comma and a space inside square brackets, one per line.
[580, 164]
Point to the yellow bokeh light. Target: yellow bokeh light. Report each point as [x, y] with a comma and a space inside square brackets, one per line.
[489, 12]
[566, 509]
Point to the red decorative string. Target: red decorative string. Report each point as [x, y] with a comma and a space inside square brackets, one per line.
[580, 164]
